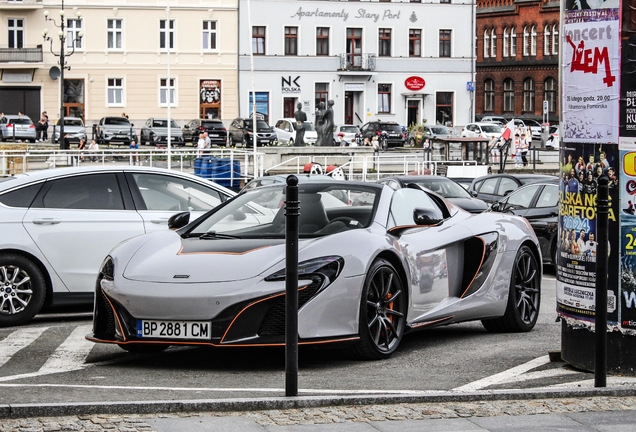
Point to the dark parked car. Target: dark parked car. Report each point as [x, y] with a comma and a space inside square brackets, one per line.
[155, 131]
[214, 127]
[492, 188]
[539, 203]
[449, 189]
[395, 136]
[115, 129]
[241, 130]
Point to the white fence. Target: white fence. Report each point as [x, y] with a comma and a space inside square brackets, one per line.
[19, 161]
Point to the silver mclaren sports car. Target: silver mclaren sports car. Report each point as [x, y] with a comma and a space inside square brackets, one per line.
[374, 263]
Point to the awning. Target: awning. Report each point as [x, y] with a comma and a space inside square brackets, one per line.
[416, 94]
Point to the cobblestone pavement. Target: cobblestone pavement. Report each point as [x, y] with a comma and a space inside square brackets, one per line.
[325, 415]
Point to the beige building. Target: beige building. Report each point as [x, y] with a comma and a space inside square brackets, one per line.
[134, 56]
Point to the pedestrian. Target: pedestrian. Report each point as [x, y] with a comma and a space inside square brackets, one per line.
[41, 130]
[494, 149]
[200, 145]
[81, 147]
[93, 148]
[134, 154]
[206, 138]
[524, 149]
[516, 151]
[124, 115]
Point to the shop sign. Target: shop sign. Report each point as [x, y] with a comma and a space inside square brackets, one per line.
[414, 83]
[354, 87]
[289, 85]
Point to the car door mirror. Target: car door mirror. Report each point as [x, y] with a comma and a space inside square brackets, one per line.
[496, 207]
[506, 193]
[425, 216]
[473, 193]
[178, 220]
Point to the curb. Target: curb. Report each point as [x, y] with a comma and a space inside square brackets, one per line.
[282, 403]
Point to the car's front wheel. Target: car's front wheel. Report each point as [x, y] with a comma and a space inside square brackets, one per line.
[22, 289]
[382, 313]
[524, 296]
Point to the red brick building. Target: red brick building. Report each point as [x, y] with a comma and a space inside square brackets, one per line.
[517, 58]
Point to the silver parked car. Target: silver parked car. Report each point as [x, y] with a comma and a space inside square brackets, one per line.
[115, 129]
[348, 133]
[73, 126]
[286, 132]
[20, 127]
[155, 131]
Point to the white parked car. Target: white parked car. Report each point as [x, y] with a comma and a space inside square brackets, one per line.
[488, 130]
[57, 226]
[286, 131]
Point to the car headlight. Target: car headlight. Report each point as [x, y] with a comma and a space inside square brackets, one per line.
[320, 271]
[107, 270]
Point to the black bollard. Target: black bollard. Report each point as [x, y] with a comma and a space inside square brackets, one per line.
[602, 233]
[291, 286]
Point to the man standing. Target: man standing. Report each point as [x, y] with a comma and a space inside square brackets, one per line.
[301, 118]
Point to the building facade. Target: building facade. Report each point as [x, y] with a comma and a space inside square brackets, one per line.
[517, 58]
[407, 62]
[134, 56]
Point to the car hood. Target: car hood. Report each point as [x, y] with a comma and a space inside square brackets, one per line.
[168, 258]
[472, 205]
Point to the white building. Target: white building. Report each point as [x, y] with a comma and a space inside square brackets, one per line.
[393, 61]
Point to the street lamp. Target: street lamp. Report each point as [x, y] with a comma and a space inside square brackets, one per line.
[62, 60]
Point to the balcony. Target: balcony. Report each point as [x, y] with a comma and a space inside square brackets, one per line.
[21, 55]
[357, 62]
[20, 4]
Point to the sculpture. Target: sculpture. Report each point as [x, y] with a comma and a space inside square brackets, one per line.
[301, 118]
[324, 124]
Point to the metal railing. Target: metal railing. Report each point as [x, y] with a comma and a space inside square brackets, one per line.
[20, 161]
[364, 62]
[25, 55]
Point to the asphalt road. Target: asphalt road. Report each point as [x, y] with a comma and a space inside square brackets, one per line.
[50, 361]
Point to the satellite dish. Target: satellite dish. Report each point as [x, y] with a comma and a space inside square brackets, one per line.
[54, 72]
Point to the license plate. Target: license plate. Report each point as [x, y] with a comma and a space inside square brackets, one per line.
[214, 135]
[173, 329]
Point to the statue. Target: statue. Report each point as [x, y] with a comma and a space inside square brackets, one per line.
[301, 118]
[324, 124]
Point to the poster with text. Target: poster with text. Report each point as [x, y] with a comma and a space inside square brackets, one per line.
[627, 298]
[580, 168]
[590, 67]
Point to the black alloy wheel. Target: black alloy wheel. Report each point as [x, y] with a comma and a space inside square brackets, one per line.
[382, 313]
[524, 297]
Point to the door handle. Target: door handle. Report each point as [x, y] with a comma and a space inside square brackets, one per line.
[159, 221]
[46, 221]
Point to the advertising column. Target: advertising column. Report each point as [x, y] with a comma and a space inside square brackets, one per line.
[590, 134]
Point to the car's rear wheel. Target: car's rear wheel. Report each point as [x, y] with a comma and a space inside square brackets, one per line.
[524, 296]
[382, 313]
[22, 290]
[291, 141]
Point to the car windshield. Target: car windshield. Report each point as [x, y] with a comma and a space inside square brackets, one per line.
[21, 120]
[212, 125]
[117, 121]
[349, 129]
[445, 188]
[73, 122]
[260, 124]
[391, 127]
[491, 128]
[260, 213]
[440, 130]
[164, 123]
[309, 126]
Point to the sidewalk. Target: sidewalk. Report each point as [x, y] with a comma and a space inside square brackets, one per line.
[599, 413]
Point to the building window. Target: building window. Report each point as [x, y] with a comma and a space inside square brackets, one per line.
[526, 42]
[506, 42]
[291, 41]
[384, 98]
[167, 88]
[509, 95]
[115, 91]
[493, 43]
[513, 43]
[166, 34]
[445, 43]
[384, 37]
[555, 39]
[321, 94]
[415, 43]
[550, 93]
[209, 35]
[258, 40]
[533, 41]
[445, 1]
[547, 40]
[444, 108]
[489, 95]
[486, 43]
[322, 41]
[528, 95]
[16, 33]
[73, 28]
[115, 34]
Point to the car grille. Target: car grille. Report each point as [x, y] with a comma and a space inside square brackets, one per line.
[104, 318]
[273, 323]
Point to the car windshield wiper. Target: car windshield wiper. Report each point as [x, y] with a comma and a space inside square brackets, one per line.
[215, 235]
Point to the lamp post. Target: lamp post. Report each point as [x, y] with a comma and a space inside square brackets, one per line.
[62, 61]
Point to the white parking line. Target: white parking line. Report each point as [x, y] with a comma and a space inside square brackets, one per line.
[504, 376]
[71, 355]
[18, 340]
